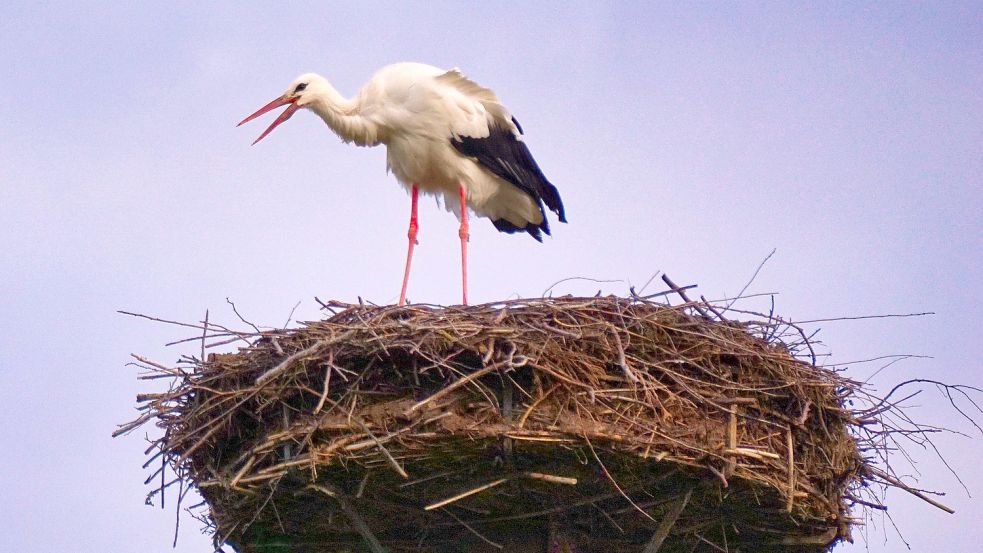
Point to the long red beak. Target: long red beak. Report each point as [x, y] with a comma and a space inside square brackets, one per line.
[272, 105]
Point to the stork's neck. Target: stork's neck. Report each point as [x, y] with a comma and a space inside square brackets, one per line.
[344, 117]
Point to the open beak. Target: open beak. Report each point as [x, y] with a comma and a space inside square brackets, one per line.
[292, 107]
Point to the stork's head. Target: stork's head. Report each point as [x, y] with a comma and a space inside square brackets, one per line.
[299, 94]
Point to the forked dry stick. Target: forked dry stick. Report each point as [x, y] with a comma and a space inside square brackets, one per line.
[682, 294]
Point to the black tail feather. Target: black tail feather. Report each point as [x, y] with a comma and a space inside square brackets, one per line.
[534, 230]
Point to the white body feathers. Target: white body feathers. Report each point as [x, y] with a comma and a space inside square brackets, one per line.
[415, 110]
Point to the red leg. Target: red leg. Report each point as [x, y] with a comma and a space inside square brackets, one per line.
[464, 234]
[411, 234]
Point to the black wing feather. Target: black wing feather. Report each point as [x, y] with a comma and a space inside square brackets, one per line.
[502, 153]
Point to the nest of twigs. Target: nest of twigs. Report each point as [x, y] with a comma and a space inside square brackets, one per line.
[596, 424]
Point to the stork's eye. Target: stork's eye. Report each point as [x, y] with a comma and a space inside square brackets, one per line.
[300, 88]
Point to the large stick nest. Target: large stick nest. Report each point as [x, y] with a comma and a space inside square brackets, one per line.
[607, 424]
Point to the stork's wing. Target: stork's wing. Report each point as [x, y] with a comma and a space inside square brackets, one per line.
[495, 142]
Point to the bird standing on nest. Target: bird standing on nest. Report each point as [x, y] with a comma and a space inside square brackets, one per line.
[445, 135]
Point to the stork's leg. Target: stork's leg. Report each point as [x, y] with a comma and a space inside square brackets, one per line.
[464, 234]
[411, 234]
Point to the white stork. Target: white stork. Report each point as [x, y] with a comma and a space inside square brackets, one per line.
[445, 135]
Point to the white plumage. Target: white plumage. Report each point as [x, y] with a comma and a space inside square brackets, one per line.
[445, 135]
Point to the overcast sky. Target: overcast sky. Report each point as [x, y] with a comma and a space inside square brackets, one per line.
[691, 141]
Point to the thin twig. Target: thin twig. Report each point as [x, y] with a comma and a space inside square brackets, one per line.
[864, 317]
[614, 482]
[204, 334]
[456, 384]
[750, 280]
[483, 538]
[667, 522]
[357, 521]
[468, 493]
[241, 318]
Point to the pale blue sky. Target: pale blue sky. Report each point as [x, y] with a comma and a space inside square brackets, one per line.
[691, 140]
